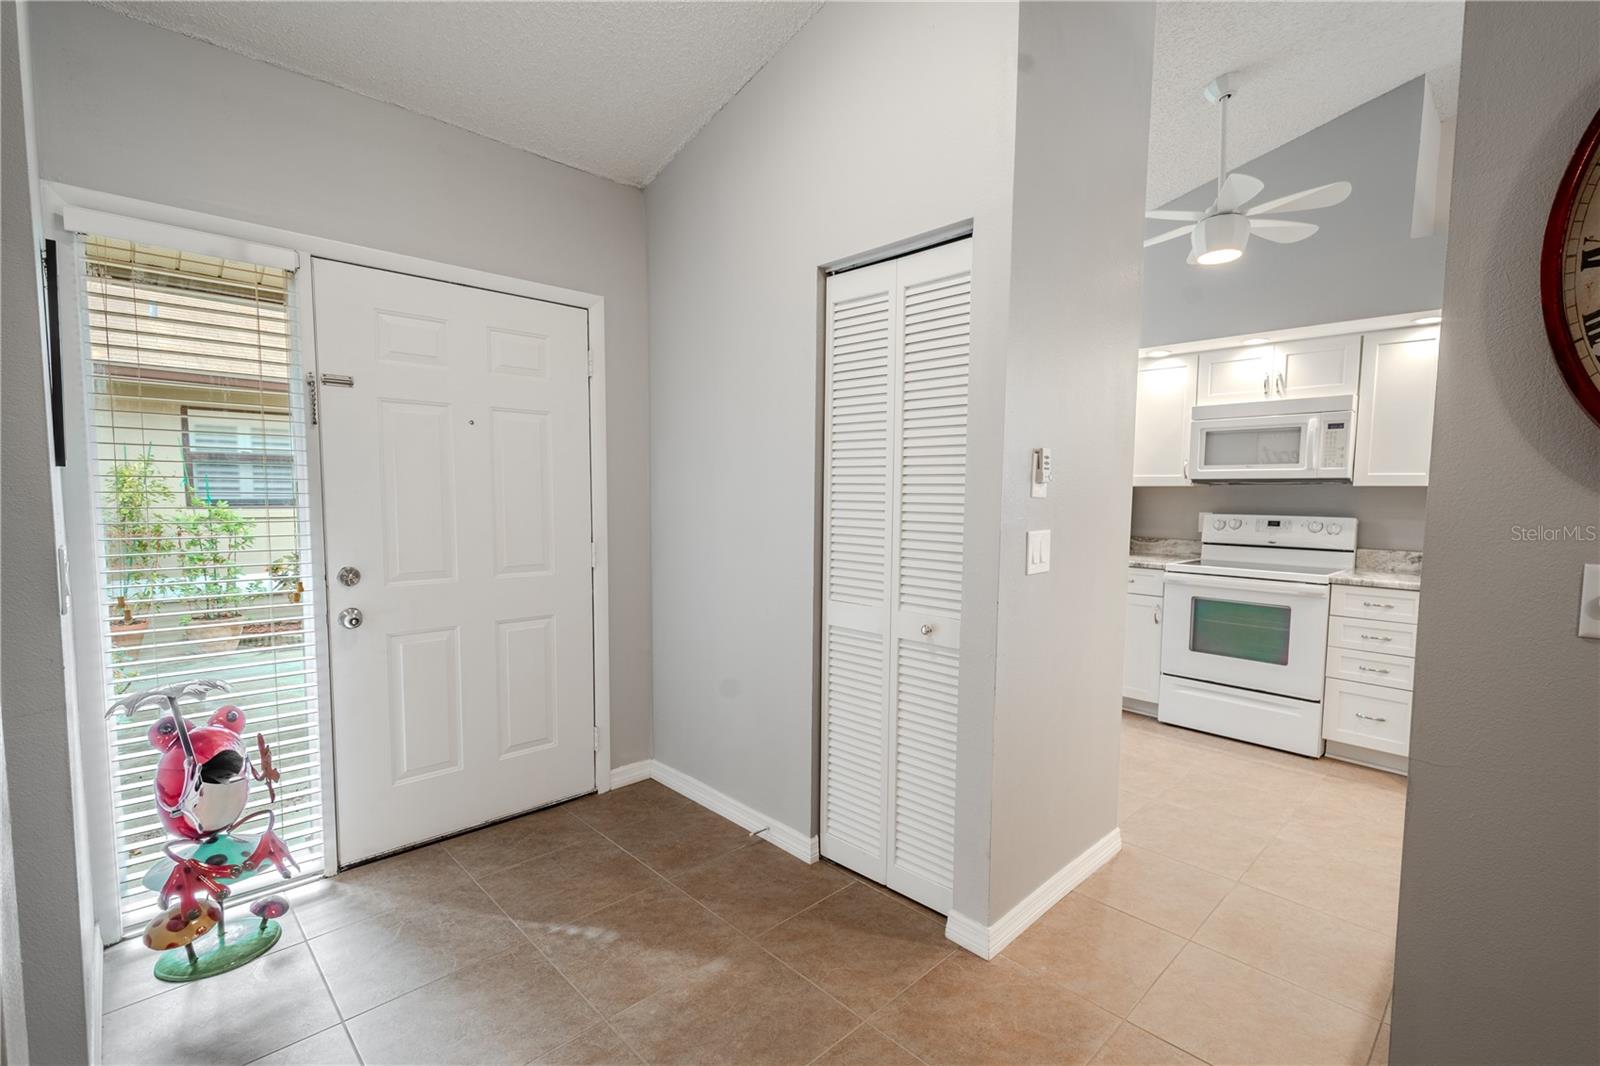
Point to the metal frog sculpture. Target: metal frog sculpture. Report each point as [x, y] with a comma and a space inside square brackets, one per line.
[202, 788]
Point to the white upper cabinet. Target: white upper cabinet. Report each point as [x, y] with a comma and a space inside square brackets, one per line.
[1235, 375]
[1161, 421]
[1325, 366]
[1394, 422]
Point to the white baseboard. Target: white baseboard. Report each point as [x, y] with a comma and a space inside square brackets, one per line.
[988, 941]
[630, 774]
[801, 845]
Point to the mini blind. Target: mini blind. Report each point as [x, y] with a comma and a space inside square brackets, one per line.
[198, 463]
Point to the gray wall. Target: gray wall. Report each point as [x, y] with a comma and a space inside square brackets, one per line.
[127, 108]
[1498, 956]
[48, 889]
[1388, 517]
[1069, 385]
[876, 123]
[1363, 263]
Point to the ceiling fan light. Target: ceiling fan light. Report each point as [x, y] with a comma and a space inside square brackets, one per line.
[1220, 239]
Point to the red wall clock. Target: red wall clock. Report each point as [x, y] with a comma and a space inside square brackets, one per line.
[1569, 273]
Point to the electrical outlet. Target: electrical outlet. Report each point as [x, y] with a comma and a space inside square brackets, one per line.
[1589, 603]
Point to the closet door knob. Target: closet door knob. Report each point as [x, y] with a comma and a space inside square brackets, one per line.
[927, 630]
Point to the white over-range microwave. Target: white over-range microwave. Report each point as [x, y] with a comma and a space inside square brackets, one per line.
[1301, 439]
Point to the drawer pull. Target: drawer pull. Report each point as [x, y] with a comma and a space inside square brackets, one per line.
[1370, 717]
[1372, 669]
[1371, 603]
[1369, 636]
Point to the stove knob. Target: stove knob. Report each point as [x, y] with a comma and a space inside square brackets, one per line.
[1334, 529]
[1315, 527]
[1236, 523]
[1219, 523]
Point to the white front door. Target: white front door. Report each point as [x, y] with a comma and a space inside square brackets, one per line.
[455, 467]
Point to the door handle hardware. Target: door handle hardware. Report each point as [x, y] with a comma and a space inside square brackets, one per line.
[350, 618]
[349, 576]
[342, 381]
[1370, 717]
[927, 630]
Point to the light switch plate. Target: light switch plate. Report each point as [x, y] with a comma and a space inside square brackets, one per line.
[1589, 604]
[1038, 551]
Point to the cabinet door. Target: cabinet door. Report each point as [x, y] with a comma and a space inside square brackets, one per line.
[1234, 375]
[1161, 421]
[1394, 425]
[1324, 366]
[1367, 716]
[1141, 662]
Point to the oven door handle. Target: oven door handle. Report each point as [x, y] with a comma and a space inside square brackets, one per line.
[1260, 586]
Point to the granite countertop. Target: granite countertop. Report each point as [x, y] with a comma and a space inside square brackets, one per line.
[1380, 569]
[1154, 553]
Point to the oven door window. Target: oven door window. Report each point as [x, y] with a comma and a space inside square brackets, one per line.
[1238, 448]
[1255, 632]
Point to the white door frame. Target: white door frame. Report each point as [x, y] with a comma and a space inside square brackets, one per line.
[151, 218]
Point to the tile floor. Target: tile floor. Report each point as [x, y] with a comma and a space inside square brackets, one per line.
[1249, 919]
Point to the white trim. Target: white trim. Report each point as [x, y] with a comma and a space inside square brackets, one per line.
[142, 231]
[1295, 333]
[801, 845]
[988, 941]
[631, 774]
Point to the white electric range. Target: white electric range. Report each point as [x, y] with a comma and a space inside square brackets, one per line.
[1246, 628]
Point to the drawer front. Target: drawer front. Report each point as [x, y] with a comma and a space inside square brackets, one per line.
[1372, 668]
[1388, 605]
[1359, 634]
[1367, 716]
[1142, 582]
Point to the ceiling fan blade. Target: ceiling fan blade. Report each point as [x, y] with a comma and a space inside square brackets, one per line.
[1237, 191]
[1169, 235]
[1175, 216]
[1281, 230]
[1305, 199]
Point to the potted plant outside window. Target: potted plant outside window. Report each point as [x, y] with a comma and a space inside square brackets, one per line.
[210, 536]
[137, 538]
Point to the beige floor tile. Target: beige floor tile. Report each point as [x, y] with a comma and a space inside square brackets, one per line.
[748, 1009]
[554, 889]
[1162, 891]
[1237, 796]
[599, 1046]
[1338, 769]
[508, 1009]
[1347, 888]
[1206, 839]
[233, 1018]
[405, 882]
[970, 1011]
[621, 954]
[1329, 956]
[1380, 1048]
[498, 846]
[861, 946]
[331, 1047]
[612, 810]
[756, 887]
[371, 962]
[867, 1047]
[1132, 1046]
[673, 842]
[1227, 1012]
[1108, 957]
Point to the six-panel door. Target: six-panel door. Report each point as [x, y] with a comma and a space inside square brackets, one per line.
[456, 481]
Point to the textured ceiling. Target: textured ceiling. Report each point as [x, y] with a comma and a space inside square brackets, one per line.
[1299, 65]
[614, 88]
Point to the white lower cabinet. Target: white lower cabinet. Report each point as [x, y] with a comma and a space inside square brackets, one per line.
[1141, 659]
[1367, 716]
[1366, 698]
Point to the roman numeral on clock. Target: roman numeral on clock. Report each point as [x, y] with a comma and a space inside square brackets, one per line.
[1589, 259]
[1591, 328]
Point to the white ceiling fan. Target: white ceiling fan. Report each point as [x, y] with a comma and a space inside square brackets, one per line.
[1220, 231]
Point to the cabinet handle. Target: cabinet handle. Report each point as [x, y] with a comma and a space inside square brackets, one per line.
[1372, 669]
[1266, 384]
[1157, 614]
[1371, 603]
[1370, 717]
[1280, 385]
[1369, 636]
[1186, 470]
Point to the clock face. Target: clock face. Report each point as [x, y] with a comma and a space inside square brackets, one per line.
[1570, 273]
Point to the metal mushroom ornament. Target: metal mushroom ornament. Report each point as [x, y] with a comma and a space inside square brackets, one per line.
[202, 787]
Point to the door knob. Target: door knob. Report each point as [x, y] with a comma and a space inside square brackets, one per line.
[927, 630]
[350, 618]
[349, 576]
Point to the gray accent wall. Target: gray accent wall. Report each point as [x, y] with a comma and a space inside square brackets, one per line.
[1498, 954]
[1363, 263]
[127, 108]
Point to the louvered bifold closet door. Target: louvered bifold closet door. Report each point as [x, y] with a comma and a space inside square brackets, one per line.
[858, 432]
[897, 354]
[934, 304]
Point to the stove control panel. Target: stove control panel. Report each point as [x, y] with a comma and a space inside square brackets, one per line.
[1282, 531]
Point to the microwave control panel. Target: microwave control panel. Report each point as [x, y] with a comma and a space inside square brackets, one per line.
[1335, 445]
